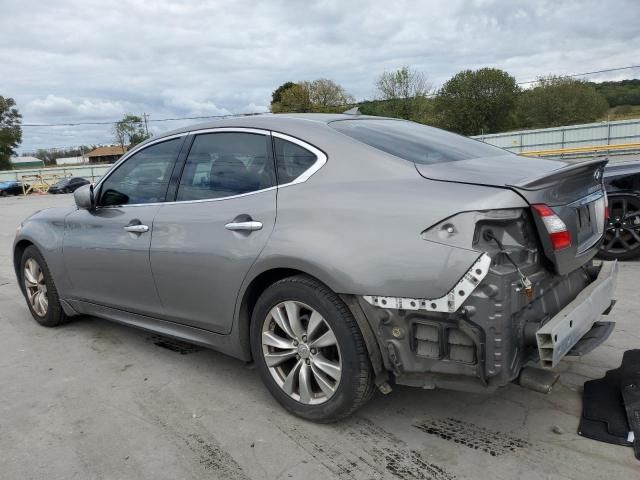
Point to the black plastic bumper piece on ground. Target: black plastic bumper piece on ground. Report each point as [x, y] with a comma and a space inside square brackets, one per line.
[599, 332]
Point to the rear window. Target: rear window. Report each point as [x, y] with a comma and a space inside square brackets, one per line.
[415, 142]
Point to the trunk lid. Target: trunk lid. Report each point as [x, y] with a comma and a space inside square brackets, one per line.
[499, 171]
[574, 191]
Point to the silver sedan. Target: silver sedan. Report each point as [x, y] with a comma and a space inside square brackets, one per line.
[340, 253]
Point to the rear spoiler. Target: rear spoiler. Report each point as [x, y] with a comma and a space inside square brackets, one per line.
[592, 168]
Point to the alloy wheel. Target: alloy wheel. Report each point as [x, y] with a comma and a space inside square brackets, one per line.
[622, 233]
[301, 352]
[36, 287]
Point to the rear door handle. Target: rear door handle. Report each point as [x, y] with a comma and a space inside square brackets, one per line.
[136, 228]
[250, 226]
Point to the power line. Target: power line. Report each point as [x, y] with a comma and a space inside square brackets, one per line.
[587, 73]
[76, 124]
[206, 117]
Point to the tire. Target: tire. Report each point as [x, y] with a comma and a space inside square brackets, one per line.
[325, 399]
[3, 193]
[53, 314]
[622, 235]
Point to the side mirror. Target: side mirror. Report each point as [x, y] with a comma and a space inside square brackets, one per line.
[84, 197]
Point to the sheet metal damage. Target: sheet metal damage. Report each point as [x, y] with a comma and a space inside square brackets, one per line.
[482, 333]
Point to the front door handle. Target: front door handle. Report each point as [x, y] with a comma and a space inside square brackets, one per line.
[250, 226]
[136, 228]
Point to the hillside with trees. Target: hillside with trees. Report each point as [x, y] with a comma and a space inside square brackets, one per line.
[472, 102]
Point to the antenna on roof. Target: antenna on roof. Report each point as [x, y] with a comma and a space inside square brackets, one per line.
[353, 111]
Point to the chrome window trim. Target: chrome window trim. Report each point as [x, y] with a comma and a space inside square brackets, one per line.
[321, 159]
[132, 152]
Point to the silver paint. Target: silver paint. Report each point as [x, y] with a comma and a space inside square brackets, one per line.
[354, 222]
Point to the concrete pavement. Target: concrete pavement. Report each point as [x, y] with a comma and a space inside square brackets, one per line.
[97, 400]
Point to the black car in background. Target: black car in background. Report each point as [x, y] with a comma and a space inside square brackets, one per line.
[622, 238]
[10, 187]
[68, 185]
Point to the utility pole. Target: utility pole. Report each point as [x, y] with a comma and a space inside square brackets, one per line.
[146, 127]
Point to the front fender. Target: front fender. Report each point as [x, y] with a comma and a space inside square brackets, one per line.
[45, 230]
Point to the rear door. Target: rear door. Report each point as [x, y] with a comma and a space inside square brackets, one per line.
[206, 240]
[106, 251]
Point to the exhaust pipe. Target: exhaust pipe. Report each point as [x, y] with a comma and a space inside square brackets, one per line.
[537, 379]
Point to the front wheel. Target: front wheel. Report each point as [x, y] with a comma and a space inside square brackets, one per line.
[309, 350]
[39, 290]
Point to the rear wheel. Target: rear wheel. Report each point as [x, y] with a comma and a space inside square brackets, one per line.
[3, 193]
[309, 350]
[622, 234]
[39, 289]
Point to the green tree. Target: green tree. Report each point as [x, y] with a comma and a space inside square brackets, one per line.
[403, 94]
[473, 102]
[327, 96]
[10, 131]
[293, 99]
[623, 92]
[556, 101]
[321, 95]
[276, 95]
[130, 131]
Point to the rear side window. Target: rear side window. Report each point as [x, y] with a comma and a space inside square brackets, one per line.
[225, 164]
[292, 160]
[143, 177]
[415, 142]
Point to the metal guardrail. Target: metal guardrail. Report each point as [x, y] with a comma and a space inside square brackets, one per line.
[90, 172]
[618, 148]
[569, 136]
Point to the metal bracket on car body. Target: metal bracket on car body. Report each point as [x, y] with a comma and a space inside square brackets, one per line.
[450, 302]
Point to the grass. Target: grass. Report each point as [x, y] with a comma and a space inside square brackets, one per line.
[623, 112]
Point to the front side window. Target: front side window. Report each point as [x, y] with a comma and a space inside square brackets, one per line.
[292, 160]
[225, 164]
[143, 177]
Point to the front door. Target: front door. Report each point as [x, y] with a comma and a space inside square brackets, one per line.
[106, 251]
[204, 243]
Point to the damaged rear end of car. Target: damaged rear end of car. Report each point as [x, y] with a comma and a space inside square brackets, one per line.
[533, 294]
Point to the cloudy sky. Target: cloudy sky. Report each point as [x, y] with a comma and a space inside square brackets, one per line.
[86, 60]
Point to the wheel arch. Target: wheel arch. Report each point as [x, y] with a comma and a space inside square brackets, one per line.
[18, 251]
[267, 278]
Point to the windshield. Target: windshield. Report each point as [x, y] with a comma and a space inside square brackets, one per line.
[415, 142]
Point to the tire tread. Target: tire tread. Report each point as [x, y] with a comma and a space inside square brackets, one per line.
[365, 387]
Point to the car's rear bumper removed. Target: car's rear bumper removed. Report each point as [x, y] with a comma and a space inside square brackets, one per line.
[559, 335]
[486, 342]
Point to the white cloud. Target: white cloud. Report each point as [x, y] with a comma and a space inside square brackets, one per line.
[84, 60]
[63, 108]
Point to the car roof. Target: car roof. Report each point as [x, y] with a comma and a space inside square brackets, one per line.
[283, 122]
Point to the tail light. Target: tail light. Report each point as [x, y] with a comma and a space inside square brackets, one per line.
[556, 228]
